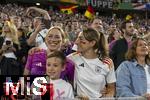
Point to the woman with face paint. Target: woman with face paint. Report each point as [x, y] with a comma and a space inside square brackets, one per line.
[94, 70]
[36, 62]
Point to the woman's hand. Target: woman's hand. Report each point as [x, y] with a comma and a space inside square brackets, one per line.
[109, 90]
[108, 61]
[8, 48]
[103, 92]
[147, 96]
[34, 50]
[82, 97]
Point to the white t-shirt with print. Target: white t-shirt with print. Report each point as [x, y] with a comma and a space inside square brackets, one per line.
[91, 76]
[62, 89]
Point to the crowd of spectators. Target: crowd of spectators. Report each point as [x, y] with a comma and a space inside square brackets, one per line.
[29, 34]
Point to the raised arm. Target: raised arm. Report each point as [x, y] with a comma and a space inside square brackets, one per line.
[41, 11]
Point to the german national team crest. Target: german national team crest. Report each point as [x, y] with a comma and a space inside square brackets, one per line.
[98, 69]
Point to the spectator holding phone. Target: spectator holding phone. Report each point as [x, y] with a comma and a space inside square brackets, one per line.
[9, 46]
[11, 42]
[41, 25]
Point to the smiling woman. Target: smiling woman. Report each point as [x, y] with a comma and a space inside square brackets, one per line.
[54, 39]
[94, 69]
[133, 75]
[36, 62]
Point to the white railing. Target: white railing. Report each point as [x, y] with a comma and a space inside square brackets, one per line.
[120, 98]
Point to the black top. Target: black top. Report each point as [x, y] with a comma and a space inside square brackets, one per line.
[118, 52]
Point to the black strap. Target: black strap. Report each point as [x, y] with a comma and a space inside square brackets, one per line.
[42, 37]
[1, 41]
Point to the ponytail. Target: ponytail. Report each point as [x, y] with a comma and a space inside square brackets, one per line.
[102, 47]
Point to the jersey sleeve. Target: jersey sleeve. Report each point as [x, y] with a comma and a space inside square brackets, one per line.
[111, 78]
[29, 62]
[70, 92]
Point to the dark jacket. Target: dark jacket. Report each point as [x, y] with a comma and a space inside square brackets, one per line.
[9, 66]
[118, 52]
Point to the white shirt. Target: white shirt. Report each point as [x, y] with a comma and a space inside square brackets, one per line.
[62, 89]
[91, 76]
[75, 47]
[148, 78]
[9, 54]
[39, 40]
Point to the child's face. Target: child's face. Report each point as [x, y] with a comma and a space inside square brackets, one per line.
[54, 67]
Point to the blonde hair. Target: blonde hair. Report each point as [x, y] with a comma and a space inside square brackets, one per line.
[12, 33]
[60, 29]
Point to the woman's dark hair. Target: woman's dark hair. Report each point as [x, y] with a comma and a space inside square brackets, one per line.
[91, 34]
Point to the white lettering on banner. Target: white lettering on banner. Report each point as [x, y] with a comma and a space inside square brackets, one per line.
[110, 4]
[100, 3]
[39, 86]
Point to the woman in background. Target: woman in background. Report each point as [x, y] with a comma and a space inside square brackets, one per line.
[133, 75]
[11, 42]
[10, 48]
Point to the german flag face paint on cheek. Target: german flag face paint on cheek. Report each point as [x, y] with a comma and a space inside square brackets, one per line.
[82, 42]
